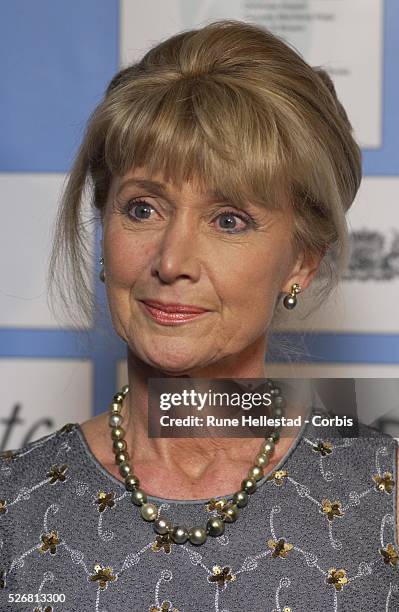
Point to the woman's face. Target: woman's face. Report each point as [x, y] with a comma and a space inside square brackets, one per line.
[185, 247]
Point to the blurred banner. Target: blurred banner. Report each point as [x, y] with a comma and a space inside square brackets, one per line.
[56, 61]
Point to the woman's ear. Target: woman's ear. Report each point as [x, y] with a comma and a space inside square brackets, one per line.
[304, 270]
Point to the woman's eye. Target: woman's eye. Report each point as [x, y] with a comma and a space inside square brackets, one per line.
[234, 223]
[228, 221]
[139, 209]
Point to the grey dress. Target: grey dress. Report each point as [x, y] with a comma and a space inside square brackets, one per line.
[319, 534]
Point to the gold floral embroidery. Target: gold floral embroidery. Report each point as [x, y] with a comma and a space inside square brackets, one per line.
[324, 448]
[390, 555]
[337, 578]
[8, 454]
[278, 477]
[50, 542]
[67, 428]
[104, 500]
[280, 547]
[57, 473]
[217, 504]
[221, 575]
[103, 575]
[162, 541]
[165, 607]
[3, 506]
[332, 509]
[384, 483]
[2, 579]
[46, 609]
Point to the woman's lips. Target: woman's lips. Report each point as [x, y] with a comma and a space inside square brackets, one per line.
[175, 315]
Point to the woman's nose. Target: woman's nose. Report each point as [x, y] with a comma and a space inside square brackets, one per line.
[177, 255]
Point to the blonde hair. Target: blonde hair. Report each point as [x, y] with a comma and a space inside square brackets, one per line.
[235, 108]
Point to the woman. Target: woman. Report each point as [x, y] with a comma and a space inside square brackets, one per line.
[222, 166]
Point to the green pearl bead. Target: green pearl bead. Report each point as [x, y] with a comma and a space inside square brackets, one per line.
[162, 525]
[197, 535]
[124, 469]
[115, 408]
[255, 472]
[268, 447]
[277, 412]
[125, 390]
[131, 482]
[240, 498]
[117, 433]
[215, 526]
[119, 446]
[122, 457]
[179, 534]
[275, 391]
[115, 420]
[248, 485]
[279, 401]
[139, 497]
[231, 513]
[275, 436]
[262, 460]
[149, 511]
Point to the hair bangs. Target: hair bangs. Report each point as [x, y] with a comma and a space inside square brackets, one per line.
[181, 135]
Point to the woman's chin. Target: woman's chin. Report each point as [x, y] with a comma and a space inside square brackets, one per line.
[181, 368]
[174, 362]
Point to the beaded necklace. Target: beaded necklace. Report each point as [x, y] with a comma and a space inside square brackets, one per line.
[229, 512]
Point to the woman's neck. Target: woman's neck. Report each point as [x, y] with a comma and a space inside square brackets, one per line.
[191, 467]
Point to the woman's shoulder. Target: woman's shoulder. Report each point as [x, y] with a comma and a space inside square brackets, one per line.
[359, 451]
[20, 466]
[369, 431]
[386, 444]
[48, 441]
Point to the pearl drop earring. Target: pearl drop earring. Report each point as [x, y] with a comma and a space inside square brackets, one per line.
[290, 300]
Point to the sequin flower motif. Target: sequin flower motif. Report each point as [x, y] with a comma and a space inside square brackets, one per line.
[166, 606]
[8, 454]
[278, 477]
[332, 509]
[324, 448]
[103, 575]
[337, 578]
[3, 506]
[68, 427]
[163, 541]
[57, 473]
[50, 541]
[104, 500]
[384, 483]
[390, 555]
[279, 547]
[219, 505]
[221, 575]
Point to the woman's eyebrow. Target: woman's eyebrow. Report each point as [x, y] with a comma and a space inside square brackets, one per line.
[161, 189]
